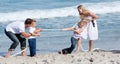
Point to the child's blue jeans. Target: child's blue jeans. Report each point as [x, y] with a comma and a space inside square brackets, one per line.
[32, 46]
[73, 44]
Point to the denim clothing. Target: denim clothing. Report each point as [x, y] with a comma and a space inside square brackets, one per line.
[73, 44]
[32, 46]
[16, 38]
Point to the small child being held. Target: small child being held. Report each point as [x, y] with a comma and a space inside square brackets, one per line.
[76, 37]
[32, 40]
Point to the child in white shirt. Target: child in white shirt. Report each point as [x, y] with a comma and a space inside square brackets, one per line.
[32, 40]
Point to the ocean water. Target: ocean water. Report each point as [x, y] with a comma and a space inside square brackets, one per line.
[57, 14]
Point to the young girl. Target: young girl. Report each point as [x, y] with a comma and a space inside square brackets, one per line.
[32, 39]
[76, 37]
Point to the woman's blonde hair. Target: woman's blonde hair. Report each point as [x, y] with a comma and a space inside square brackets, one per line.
[83, 9]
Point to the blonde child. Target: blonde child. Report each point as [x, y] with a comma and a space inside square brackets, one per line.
[76, 37]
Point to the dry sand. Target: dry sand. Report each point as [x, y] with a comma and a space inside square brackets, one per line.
[97, 57]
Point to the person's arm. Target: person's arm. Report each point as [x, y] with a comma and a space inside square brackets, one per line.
[37, 30]
[78, 31]
[93, 15]
[67, 28]
[22, 31]
[24, 34]
[70, 28]
[34, 31]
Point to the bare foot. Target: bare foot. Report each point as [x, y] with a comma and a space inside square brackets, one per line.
[90, 50]
[8, 54]
[23, 54]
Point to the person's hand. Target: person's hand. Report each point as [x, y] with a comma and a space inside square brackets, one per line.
[78, 31]
[87, 20]
[70, 28]
[39, 30]
[35, 34]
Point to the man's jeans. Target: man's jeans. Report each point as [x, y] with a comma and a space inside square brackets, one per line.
[16, 38]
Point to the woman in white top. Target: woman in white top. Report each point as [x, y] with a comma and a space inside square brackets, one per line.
[91, 28]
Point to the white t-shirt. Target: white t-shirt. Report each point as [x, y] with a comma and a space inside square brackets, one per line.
[16, 27]
[31, 30]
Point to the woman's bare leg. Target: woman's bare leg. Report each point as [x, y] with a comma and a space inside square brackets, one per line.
[90, 45]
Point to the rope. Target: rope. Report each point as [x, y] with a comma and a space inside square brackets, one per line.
[18, 52]
[52, 29]
[87, 50]
[26, 48]
[83, 48]
[48, 30]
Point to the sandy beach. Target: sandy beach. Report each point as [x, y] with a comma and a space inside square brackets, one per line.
[52, 16]
[96, 57]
